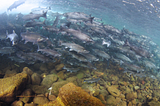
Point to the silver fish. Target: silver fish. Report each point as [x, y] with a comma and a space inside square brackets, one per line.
[106, 43]
[78, 34]
[16, 4]
[102, 54]
[79, 57]
[92, 80]
[71, 69]
[32, 37]
[117, 41]
[111, 29]
[138, 50]
[51, 28]
[17, 59]
[74, 47]
[38, 56]
[34, 23]
[150, 64]
[90, 57]
[7, 50]
[123, 57]
[13, 37]
[133, 67]
[34, 16]
[50, 52]
[79, 16]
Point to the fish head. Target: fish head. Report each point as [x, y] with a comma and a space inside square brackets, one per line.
[42, 39]
[85, 51]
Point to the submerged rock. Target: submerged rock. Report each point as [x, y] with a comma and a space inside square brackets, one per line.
[59, 67]
[26, 96]
[12, 87]
[10, 73]
[30, 104]
[49, 80]
[36, 79]
[56, 86]
[17, 103]
[40, 100]
[71, 95]
[154, 103]
[131, 96]
[27, 71]
[113, 91]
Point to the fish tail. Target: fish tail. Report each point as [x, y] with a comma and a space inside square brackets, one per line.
[91, 19]
[60, 43]
[44, 22]
[127, 43]
[44, 15]
[62, 28]
[68, 24]
[6, 32]
[38, 48]
[49, 8]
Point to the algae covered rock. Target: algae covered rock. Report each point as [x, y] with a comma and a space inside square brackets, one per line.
[131, 96]
[74, 80]
[30, 104]
[61, 75]
[80, 75]
[111, 100]
[71, 95]
[17, 103]
[154, 103]
[10, 73]
[10, 87]
[27, 71]
[113, 91]
[38, 89]
[49, 80]
[26, 95]
[40, 100]
[56, 86]
[36, 79]
[59, 67]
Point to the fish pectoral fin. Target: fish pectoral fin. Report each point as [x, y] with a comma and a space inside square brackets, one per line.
[70, 49]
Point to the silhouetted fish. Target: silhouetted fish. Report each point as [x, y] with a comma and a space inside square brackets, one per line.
[138, 50]
[16, 4]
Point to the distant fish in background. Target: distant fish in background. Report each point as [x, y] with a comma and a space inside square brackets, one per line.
[139, 50]
[49, 52]
[7, 50]
[16, 4]
[40, 10]
[34, 16]
[34, 23]
[55, 23]
[79, 16]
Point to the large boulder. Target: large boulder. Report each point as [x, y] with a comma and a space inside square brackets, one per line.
[71, 95]
[11, 87]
